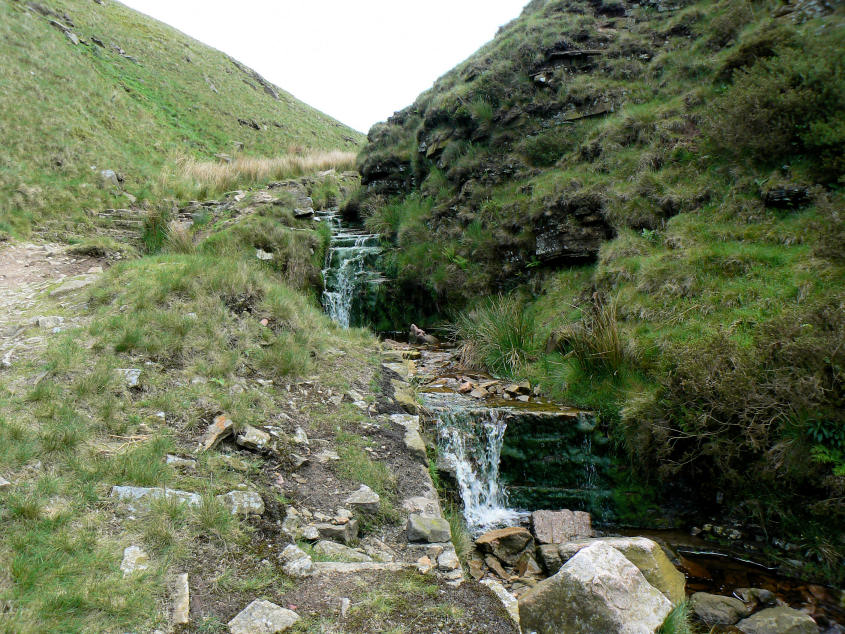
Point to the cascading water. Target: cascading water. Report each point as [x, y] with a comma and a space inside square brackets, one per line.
[349, 272]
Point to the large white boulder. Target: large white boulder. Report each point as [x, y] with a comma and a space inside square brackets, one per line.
[597, 590]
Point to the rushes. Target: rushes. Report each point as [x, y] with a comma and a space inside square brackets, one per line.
[499, 335]
[595, 341]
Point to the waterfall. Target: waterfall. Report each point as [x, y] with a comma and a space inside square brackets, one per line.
[349, 273]
[471, 443]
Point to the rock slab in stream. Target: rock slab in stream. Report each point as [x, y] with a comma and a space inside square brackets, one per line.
[598, 590]
[646, 555]
[779, 620]
[715, 609]
[559, 527]
[262, 617]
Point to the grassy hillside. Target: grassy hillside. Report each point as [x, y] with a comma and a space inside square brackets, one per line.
[650, 195]
[132, 96]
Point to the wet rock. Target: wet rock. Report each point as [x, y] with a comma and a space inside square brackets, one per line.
[507, 599]
[756, 595]
[780, 620]
[296, 562]
[134, 560]
[714, 609]
[181, 612]
[242, 502]
[345, 533]
[505, 543]
[140, 498]
[339, 551]
[428, 529]
[252, 438]
[479, 393]
[598, 590]
[364, 500]
[262, 617]
[220, 429]
[645, 555]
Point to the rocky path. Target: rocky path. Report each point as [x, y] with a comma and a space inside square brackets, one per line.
[29, 274]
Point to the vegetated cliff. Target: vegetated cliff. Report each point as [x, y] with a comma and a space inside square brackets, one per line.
[94, 86]
[659, 184]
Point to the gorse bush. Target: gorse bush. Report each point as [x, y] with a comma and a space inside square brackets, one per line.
[499, 335]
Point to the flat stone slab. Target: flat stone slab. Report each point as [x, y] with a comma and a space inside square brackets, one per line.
[181, 613]
[242, 502]
[134, 560]
[140, 498]
[328, 567]
[364, 499]
[262, 617]
[345, 553]
[72, 285]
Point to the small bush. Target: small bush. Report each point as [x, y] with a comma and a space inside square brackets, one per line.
[787, 106]
[498, 336]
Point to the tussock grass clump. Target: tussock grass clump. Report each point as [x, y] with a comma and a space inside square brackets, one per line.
[596, 341]
[498, 335]
[190, 177]
[678, 621]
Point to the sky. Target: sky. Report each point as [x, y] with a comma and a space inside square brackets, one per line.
[357, 61]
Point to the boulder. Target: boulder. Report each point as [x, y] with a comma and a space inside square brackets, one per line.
[550, 558]
[559, 527]
[262, 617]
[715, 609]
[506, 544]
[364, 500]
[646, 555]
[242, 502]
[780, 620]
[428, 529]
[597, 590]
[756, 596]
[339, 552]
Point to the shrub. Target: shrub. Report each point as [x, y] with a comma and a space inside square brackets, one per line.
[498, 336]
[787, 106]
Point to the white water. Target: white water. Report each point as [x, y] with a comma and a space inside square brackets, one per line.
[347, 269]
[472, 444]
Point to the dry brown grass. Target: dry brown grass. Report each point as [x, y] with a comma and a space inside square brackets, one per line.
[192, 178]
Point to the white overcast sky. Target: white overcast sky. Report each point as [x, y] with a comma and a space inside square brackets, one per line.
[356, 61]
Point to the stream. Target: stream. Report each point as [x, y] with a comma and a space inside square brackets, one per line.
[510, 452]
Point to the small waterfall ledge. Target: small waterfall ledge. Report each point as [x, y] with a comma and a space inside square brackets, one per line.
[350, 274]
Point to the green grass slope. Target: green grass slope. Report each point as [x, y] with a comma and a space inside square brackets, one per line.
[656, 189]
[132, 96]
